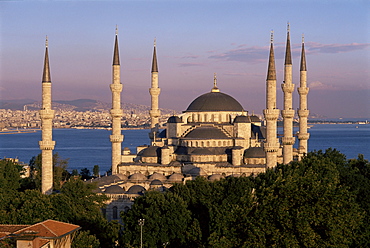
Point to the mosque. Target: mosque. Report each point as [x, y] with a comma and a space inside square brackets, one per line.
[215, 137]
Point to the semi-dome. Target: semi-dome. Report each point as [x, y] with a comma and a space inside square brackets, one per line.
[242, 119]
[214, 101]
[114, 189]
[206, 133]
[136, 189]
[254, 152]
[174, 119]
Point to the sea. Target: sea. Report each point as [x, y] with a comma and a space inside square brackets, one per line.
[85, 148]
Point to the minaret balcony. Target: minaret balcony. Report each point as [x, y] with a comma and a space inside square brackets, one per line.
[154, 91]
[116, 87]
[287, 113]
[303, 136]
[271, 147]
[47, 114]
[47, 144]
[288, 140]
[271, 114]
[303, 112]
[116, 138]
[154, 113]
[303, 90]
[116, 113]
[287, 88]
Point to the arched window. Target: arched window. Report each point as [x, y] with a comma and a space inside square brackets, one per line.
[115, 212]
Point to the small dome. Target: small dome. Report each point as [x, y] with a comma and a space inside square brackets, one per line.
[206, 133]
[151, 151]
[174, 119]
[215, 177]
[122, 177]
[242, 119]
[158, 176]
[255, 118]
[138, 177]
[254, 152]
[214, 101]
[114, 189]
[176, 177]
[136, 189]
[156, 182]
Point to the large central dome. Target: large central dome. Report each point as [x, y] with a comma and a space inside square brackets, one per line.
[214, 101]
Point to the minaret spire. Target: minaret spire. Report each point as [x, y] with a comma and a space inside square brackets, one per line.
[271, 113]
[46, 74]
[271, 74]
[154, 92]
[116, 52]
[116, 112]
[154, 62]
[46, 114]
[303, 111]
[288, 113]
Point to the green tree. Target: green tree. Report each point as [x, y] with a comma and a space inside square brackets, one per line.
[9, 175]
[60, 173]
[96, 171]
[166, 220]
[85, 174]
[84, 239]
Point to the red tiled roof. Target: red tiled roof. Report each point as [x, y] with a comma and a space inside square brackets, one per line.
[49, 229]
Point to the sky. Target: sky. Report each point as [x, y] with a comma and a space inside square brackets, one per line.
[194, 40]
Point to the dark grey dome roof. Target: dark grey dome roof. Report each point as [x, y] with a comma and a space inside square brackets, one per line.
[174, 119]
[242, 119]
[201, 151]
[254, 152]
[136, 189]
[156, 182]
[151, 151]
[114, 189]
[214, 101]
[176, 177]
[206, 133]
[255, 118]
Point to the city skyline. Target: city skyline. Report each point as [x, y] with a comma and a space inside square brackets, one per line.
[194, 40]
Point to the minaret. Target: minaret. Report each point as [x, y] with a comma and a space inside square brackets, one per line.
[154, 93]
[303, 112]
[46, 144]
[288, 112]
[271, 113]
[116, 112]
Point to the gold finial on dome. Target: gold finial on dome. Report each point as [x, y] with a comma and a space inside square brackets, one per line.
[215, 88]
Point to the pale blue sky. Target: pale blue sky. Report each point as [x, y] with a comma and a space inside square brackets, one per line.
[194, 40]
